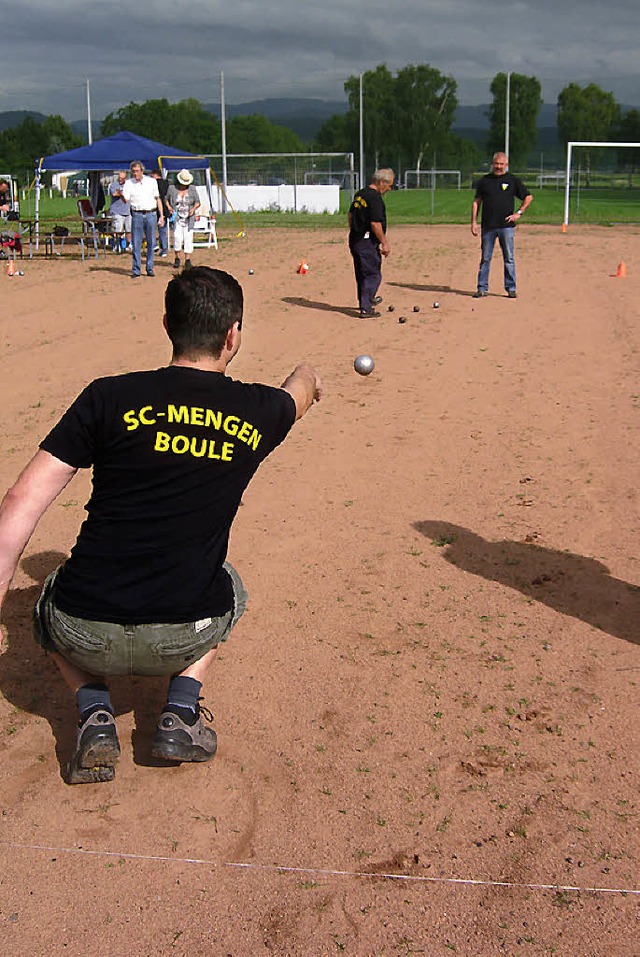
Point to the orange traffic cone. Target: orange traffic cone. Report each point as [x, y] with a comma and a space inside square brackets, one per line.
[10, 268]
[563, 228]
[622, 271]
[303, 268]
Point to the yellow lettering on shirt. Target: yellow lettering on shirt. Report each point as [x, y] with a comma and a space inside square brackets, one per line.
[201, 446]
[131, 420]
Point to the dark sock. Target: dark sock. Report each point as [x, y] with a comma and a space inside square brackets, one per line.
[182, 698]
[93, 697]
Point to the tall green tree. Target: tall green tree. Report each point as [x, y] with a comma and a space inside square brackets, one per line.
[404, 116]
[524, 105]
[22, 146]
[425, 106]
[587, 114]
[185, 125]
[257, 134]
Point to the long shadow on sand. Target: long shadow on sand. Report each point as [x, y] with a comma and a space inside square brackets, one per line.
[571, 584]
[322, 306]
[32, 683]
[430, 287]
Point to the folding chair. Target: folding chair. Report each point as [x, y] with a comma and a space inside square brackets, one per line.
[205, 225]
[10, 245]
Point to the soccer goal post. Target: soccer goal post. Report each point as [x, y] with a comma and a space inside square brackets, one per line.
[593, 145]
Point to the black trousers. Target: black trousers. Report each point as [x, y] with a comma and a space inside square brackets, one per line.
[367, 265]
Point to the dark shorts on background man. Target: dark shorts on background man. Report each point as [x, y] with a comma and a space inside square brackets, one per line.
[107, 648]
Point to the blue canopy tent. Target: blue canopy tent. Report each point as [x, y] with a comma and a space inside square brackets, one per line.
[117, 152]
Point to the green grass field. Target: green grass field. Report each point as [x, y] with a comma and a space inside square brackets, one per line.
[591, 206]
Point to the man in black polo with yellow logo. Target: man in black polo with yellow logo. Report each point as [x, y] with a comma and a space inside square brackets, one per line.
[368, 240]
[496, 192]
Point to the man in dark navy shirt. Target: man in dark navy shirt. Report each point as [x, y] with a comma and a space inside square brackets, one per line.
[368, 241]
[147, 589]
[495, 193]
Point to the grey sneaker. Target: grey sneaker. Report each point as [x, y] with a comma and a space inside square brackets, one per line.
[480, 294]
[175, 740]
[512, 294]
[176, 262]
[97, 750]
[369, 314]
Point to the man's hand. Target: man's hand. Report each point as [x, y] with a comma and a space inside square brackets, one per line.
[474, 229]
[304, 387]
[385, 248]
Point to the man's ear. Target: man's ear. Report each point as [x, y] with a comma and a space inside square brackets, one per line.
[232, 338]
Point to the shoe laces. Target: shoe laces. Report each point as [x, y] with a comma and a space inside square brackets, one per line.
[204, 710]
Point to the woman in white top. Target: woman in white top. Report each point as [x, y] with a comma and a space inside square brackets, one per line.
[183, 201]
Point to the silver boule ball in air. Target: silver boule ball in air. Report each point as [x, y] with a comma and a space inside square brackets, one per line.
[436, 305]
[364, 364]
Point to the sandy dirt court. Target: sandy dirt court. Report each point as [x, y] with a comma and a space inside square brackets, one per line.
[427, 716]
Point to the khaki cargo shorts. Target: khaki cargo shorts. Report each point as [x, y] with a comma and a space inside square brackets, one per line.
[106, 648]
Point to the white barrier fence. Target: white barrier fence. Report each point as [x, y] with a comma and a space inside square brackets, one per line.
[284, 198]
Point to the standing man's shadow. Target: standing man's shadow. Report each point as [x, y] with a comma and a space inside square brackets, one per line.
[30, 680]
[571, 584]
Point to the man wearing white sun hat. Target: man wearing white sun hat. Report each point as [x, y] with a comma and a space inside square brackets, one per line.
[183, 200]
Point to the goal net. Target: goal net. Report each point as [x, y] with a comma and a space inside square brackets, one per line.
[278, 169]
[602, 182]
[432, 178]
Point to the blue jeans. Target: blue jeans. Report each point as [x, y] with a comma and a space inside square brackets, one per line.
[143, 224]
[505, 236]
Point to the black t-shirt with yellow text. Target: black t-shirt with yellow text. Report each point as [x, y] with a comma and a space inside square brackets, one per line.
[367, 207]
[172, 451]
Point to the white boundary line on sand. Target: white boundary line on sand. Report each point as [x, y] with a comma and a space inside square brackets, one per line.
[321, 871]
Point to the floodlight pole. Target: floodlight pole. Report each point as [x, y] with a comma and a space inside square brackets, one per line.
[361, 138]
[223, 127]
[507, 117]
[89, 133]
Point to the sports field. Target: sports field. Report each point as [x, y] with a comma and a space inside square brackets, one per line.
[427, 718]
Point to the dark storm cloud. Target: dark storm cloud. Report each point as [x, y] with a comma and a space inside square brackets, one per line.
[156, 48]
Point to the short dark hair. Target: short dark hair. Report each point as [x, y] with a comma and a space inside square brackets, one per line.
[201, 305]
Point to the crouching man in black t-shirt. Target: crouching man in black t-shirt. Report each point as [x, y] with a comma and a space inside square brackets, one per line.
[147, 589]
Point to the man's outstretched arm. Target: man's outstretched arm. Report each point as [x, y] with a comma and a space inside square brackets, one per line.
[304, 387]
[22, 507]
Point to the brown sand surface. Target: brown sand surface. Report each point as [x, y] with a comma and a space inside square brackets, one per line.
[427, 718]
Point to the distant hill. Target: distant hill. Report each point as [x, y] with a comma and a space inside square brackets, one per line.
[306, 116]
[15, 117]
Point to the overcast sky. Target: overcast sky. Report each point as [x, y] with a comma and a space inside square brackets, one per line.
[176, 49]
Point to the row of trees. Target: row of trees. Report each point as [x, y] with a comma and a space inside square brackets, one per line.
[186, 125]
[410, 115]
[189, 126]
[408, 120]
